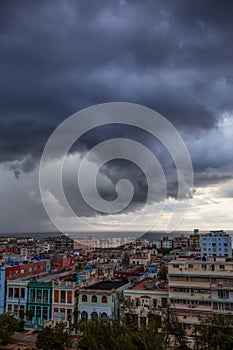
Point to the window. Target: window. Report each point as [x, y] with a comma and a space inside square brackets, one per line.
[84, 315]
[223, 294]
[104, 299]
[63, 296]
[69, 296]
[45, 313]
[190, 266]
[22, 293]
[104, 316]
[56, 296]
[164, 303]
[84, 298]
[221, 267]
[94, 299]
[94, 316]
[10, 292]
[175, 266]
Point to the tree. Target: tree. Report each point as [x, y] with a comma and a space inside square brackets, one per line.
[174, 332]
[214, 333]
[54, 338]
[8, 326]
[162, 274]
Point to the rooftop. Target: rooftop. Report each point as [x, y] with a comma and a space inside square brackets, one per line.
[106, 285]
[149, 284]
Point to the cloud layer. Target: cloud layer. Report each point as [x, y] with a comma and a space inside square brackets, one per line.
[58, 57]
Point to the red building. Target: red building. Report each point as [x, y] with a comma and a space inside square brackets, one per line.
[24, 270]
[62, 263]
[126, 274]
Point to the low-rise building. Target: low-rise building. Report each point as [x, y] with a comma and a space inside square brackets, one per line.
[2, 289]
[101, 300]
[147, 297]
[64, 300]
[16, 297]
[39, 302]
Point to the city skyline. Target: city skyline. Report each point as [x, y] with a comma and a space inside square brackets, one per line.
[59, 57]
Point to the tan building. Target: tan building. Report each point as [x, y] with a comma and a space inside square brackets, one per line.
[149, 296]
[198, 288]
[64, 300]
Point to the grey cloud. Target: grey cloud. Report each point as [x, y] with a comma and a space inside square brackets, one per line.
[60, 56]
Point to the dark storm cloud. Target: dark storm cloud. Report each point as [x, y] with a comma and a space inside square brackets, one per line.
[60, 56]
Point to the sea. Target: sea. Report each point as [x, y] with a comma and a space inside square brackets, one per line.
[150, 236]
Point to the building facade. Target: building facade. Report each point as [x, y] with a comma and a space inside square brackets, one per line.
[100, 300]
[39, 302]
[2, 289]
[199, 288]
[16, 298]
[64, 300]
[148, 297]
[216, 243]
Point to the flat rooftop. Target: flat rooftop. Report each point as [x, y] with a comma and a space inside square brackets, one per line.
[106, 285]
[149, 284]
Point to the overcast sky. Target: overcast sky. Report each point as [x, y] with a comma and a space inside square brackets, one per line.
[58, 57]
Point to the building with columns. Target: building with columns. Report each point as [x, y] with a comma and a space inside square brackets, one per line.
[64, 300]
[16, 297]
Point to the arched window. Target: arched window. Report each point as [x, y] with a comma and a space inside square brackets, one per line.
[104, 299]
[84, 315]
[104, 317]
[94, 316]
[84, 298]
[94, 299]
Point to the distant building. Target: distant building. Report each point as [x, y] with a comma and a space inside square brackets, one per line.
[166, 243]
[126, 274]
[179, 242]
[216, 243]
[194, 240]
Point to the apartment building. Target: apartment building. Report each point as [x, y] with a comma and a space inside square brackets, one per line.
[198, 288]
[216, 243]
[179, 242]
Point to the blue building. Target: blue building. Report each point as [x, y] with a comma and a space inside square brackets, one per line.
[2, 289]
[216, 243]
[16, 298]
[152, 270]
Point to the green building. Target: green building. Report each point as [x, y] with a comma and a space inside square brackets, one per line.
[39, 302]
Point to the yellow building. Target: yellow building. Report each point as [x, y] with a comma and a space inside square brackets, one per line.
[194, 239]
